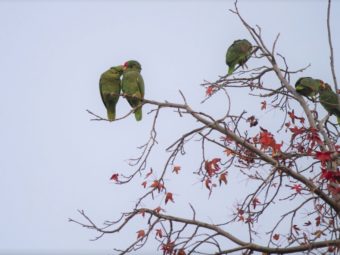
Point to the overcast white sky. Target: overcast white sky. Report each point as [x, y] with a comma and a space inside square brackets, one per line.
[54, 160]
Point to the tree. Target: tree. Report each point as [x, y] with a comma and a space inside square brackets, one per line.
[295, 169]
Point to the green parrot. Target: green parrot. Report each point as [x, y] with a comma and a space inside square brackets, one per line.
[109, 86]
[238, 54]
[133, 86]
[329, 100]
[307, 86]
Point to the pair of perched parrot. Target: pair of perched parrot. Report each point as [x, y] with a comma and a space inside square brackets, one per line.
[132, 85]
[310, 87]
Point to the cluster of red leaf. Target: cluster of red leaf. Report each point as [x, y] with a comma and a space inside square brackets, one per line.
[293, 117]
[242, 217]
[245, 156]
[169, 249]
[212, 169]
[330, 175]
[267, 141]
[158, 185]
[323, 156]
[309, 139]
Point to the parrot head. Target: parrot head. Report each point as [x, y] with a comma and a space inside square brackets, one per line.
[132, 64]
[118, 69]
[324, 86]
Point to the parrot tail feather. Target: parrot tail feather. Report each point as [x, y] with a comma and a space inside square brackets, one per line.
[231, 70]
[138, 113]
[111, 115]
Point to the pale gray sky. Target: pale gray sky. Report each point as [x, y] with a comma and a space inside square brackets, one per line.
[54, 160]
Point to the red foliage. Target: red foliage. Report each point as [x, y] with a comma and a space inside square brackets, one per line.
[114, 177]
[158, 209]
[176, 169]
[223, 178]
[140, 234]
[255, 202]
[157, 185]
[149, 173]
[297, 188]
[330, 175]
[210, 90]
[168, 248]
[181, 252]
[212, 166]
[276, 237]
[333, 190]
[159, 233]
[144, 184]
[169, 197]
[323, 156]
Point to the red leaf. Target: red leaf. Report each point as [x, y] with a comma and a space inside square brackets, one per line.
[144, 184]
[267, 140]
[157, 185]
[314, 137]
[159, 233]
[140, 234]
[176, 169]
[333, 190]
[207, 183]
[276, 237]
[296, 228]
[249, 220]
[317, 221]
[329, 175]
[308, 223]
[263, 105]
[223, 178]
[158, 209]
[142, 212]
[292, 116]
[168, 248]
[212, 166]
[210, 90]
[181, 252]
[229, 152]
[297, 188]
[297, 131]
[168, 197]
[148, 174]
[323, 156]
[114, 177]
[255, 202]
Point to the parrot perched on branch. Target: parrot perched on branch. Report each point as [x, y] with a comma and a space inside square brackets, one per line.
[238, 54]
[329, 100]
[308, 86]
[110, 86]
[133, 86]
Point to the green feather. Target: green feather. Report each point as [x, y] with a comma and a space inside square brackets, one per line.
[110, 86]
[307, 86]
[238, 54]
[133, 87]
[329, 100]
